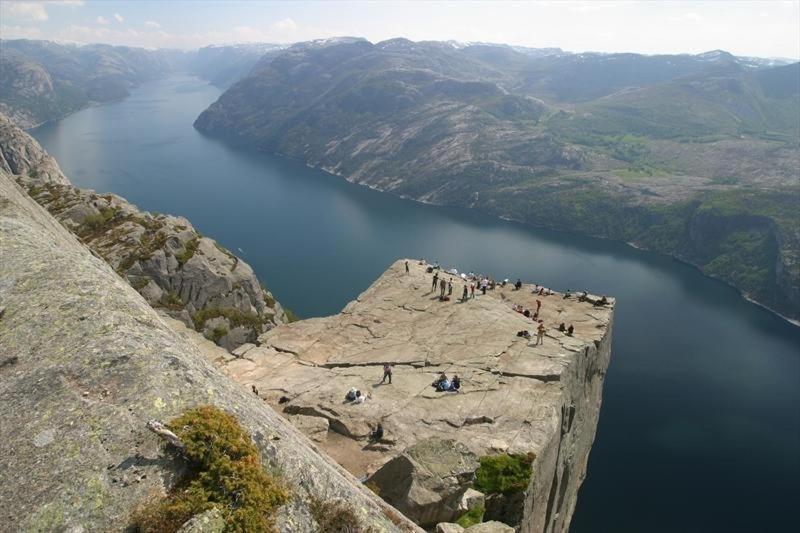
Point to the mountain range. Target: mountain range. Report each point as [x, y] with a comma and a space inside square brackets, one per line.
[696, 156]
[691, 155]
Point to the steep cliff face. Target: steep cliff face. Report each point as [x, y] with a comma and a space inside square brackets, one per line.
[517, 396]
[177, 270]
[85, 362]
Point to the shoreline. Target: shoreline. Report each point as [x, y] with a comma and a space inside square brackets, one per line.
[793, 321]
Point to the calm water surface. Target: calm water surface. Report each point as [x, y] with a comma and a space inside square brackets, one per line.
[700, 425]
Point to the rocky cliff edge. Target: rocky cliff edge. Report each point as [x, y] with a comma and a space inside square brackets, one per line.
[85, 362]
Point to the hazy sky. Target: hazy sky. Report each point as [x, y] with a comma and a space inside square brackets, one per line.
[759, 28]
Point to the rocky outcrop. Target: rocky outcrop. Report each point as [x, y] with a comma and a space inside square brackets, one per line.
[428, 480]
[22, 156]
[86, 362]
[516, 396]
[185, 275]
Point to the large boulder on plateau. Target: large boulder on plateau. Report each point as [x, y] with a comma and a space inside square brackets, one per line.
[427, 481]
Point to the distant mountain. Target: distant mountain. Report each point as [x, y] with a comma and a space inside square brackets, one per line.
[224, 65]
[695, 156]
[42, 80]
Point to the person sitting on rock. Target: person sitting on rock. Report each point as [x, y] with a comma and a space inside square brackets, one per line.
[562, 328]
[351, 394]
[377, 433]
[518, 284]
[527, 313]
[361, 398]
[441, 383]
[455, 385]
[525, 334]
[602, 301]
[570, 329]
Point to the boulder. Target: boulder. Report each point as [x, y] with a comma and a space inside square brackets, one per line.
[448, 527]
[427, 481]
[471, 499]
[210, 521]
[490, 527]
[314, 427]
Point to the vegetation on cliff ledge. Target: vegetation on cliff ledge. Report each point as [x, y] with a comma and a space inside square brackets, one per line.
[504, 473]
[225, 473]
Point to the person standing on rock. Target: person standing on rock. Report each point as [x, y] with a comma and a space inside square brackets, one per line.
[387, 373]
[540, 334]
[472, 289]
[450, 287]
[538, 305]
[407, 271]
[464, 296]
[442, 288]
[435, 280]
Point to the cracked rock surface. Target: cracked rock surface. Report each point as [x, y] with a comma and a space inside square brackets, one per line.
[516, 396]
[85, 362]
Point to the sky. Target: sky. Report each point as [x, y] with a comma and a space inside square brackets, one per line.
[767, 28]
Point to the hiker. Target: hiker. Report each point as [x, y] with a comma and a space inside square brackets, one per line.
[524, 334]
[602, 301]
[351, 395]
[567, 294]
[441, 383]
[518, 284]
[540, 334]
[570, 329]
[435, 281]
[538, 305]
[377, 433]
[527, 313]
[465, 295]
[472, 289]
[450, 287]
[387, 372]
[255, 389]
[407, 267]
[442, 288]
[484, 283]
[562, 328]
[455, 385]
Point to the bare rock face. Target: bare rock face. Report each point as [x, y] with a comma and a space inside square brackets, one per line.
[21, 155]
[428, 480]
[517, 396]
[183, 274]
[86, 362]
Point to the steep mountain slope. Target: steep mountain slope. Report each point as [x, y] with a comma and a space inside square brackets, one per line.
[622, 146]
[86, 363]
[178, 271]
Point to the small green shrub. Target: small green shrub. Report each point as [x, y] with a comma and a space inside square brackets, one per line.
[171, 300]
[226, 473]
[335, 516]
[217, 333]
[188, 251]
[100, 220]
[504, 473]
[472, 517]
[234, 316]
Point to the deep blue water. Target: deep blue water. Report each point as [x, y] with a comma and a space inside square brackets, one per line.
[700, 425]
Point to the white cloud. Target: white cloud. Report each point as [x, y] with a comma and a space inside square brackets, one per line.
[118, 17]
[25, 10]
[102, 20]
[286, 24]
[152, 24]
[68, 3]
[694, 17]
[20, 32]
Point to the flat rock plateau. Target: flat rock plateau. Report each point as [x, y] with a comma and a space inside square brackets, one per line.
[516, 396]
